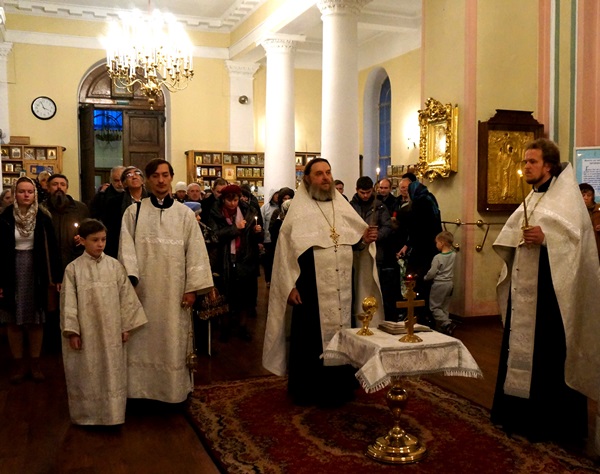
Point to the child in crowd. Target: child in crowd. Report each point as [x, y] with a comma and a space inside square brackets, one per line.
[442, 274]
[98, 309]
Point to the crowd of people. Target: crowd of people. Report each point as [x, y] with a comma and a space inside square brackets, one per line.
[146, 256]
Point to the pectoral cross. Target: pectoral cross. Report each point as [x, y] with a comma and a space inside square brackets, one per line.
[411, 304]
[334, 236]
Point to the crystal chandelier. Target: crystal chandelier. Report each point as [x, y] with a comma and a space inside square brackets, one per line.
[149, 50]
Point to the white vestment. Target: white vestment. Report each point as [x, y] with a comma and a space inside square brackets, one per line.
[570, 242]
[98, 303]
[308, 225]
[165, 251]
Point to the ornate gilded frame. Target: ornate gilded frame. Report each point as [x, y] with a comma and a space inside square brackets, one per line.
[501, 144]
[438, 145]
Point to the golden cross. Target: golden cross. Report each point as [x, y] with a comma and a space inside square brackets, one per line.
[334, 236]
[411, 303]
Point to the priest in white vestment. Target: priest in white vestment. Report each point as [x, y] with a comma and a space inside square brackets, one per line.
[548, 290]
[99, 307]
[163, 251]
[321, 239]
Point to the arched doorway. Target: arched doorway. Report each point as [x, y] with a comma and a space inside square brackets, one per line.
[115, 127]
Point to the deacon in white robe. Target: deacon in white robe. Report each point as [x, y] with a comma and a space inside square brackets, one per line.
[163, 251]
[548, 297]
[98, 304]
[316, 250]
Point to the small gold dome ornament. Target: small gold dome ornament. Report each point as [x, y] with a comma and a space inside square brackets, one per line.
[369, 306]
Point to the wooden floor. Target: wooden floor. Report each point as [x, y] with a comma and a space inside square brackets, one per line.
[36, 435]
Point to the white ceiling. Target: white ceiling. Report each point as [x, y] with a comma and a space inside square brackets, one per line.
[384, 25]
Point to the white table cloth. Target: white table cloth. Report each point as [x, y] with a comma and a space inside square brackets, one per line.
[382, 356]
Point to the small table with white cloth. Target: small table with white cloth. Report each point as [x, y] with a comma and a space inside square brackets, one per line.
[382, 360]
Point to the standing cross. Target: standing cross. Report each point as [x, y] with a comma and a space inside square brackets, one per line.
[411, 304]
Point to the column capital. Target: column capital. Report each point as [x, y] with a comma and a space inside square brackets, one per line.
[341, 6]
[281, 43]
[241, 69]
[5, 49]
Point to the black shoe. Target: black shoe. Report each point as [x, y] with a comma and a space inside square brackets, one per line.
[449, 328]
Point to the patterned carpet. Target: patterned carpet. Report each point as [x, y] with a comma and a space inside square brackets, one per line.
[250, 426]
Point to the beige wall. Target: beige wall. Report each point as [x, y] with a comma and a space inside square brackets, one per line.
[307, 104]
[199, 115]
[504, 76]
[308, 91]
[40, 70]
[405, 80]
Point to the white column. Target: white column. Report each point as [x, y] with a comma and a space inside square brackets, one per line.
[241, 111]
[339, 129]
[280, 161]
[5, 49]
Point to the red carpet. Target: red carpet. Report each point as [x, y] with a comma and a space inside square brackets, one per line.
[251, 426]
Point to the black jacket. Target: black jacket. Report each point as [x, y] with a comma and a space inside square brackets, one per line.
[44, 232]
[376, 215]
[65, 229]
[246, 258]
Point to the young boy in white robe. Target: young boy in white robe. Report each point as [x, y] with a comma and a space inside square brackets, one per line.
[442, 274]
[98, 310]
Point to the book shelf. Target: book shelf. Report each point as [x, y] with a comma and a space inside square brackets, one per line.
[29, 160]
[203, 167]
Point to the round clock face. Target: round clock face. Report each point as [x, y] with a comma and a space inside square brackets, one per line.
[43, 108]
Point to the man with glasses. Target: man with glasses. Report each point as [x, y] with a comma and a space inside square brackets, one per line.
[133, 193]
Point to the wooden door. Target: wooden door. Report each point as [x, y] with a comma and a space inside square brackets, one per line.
[87, 150]
[143, 137]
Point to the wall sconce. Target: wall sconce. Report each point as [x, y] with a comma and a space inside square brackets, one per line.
[243, 99]
[411, 142]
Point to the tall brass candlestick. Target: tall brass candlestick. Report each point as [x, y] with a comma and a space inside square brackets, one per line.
[524, 200]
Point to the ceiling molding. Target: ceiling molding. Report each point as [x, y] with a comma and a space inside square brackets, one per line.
[88, 42]
[232, 18]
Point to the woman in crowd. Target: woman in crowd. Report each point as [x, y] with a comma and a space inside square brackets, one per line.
[238, 227]
[6, 198]
[134, 191]
[29, 259]
[285, 194]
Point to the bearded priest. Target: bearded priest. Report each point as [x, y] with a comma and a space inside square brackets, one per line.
[320, 242]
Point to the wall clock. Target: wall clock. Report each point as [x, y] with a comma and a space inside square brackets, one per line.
[43, 108]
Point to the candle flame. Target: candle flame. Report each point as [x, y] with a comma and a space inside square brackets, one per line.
[520, 173]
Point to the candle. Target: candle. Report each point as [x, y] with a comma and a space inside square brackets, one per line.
[255, 220]
[76, 225]
[377, 170]
[520, 172]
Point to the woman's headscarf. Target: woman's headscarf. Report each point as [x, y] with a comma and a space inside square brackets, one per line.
[25, 223]
[417, 190]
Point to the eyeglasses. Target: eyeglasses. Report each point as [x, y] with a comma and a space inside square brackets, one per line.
[133, 173]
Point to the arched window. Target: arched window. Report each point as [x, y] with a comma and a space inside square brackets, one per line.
[385, 127]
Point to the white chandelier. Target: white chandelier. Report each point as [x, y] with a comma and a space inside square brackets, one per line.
[149, 50]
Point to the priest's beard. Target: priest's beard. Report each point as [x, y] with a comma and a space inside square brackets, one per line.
[59, 200]
[319, 194]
